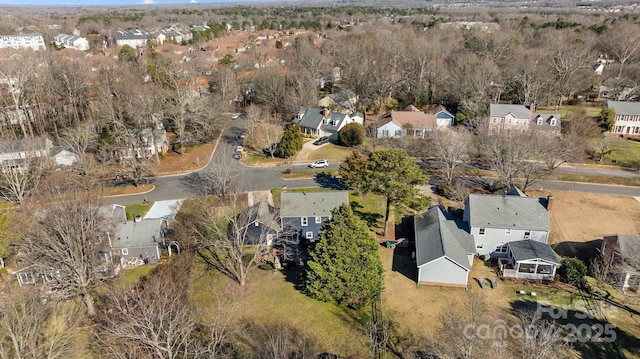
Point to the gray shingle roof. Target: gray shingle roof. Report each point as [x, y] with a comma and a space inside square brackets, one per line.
[528, 213]
[312, 117]
[131, 234]
[529, 249]
[438, 236]
[625, 107]
[501, 110]
[261, 212]
[311, 204]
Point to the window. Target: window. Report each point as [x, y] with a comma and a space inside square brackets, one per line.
[318, 220]
[304, 221]
[527, 234]
[502, 120]
[481, 231]
[517, 121]
[552, 122]
[501, 248]
[398, 133]
[507, 231]
[124, 251]
[479, 245]
[385, 133]
[493, 120]
[26, 278]
[309, 235]
[539, 121]
[524, 122]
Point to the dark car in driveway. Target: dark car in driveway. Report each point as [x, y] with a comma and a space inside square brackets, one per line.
[321, 141]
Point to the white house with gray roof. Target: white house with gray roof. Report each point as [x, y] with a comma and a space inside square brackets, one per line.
[495, 220]
[508, 117]
[528, 259]
[627, 120]
[318, 121]
[303, 213]
[444, 249]
[71, 42]
[136, 242]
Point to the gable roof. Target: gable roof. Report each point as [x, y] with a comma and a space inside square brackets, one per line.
[624, 107]
[546, 122]
[35, 144]
[260, 212]
[502, 110]
[437, 235]
[409, 119]
[504, 211]
[311, 204]
[530, 249]
[312, 117]
[440, 109]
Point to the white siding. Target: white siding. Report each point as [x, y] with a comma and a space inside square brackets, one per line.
[498, 236]
[443, 271]
[392, 129]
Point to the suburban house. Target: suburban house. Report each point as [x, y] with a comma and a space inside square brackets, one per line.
[317, 121]
[259, 224]
[443, 116]
[147, 142]
[135, 242]
[17, 153]
[408, 122]
[621, 255]
[627, 121]
[343, 101]
[23, 42]
[63, 156]
[174, 33]
[444, 249]
[71, 42]
[508, 117]
[496, 220]
[134, 38]
[303, 213]
[529, 259]
[31, 276]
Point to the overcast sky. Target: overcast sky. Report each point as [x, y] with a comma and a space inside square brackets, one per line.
[107, 2]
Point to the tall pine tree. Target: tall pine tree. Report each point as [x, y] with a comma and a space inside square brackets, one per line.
[345, 265]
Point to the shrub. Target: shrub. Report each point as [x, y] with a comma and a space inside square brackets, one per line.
[266, 266]
[573, 271]
[351, 135]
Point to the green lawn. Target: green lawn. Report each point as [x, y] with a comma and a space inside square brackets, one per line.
[371, 208]
[137, 209]
[626, 154]
[599, 179]
[330, 152]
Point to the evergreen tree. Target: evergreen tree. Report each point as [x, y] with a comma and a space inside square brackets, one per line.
[291, 141]
[345, 265]
[607, 119]
[351, 135]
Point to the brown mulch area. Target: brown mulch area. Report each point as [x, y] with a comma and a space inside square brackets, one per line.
[193, 158]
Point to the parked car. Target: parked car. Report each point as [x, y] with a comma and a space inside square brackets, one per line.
[239, 148]
[235, 116]
[237, 155]
[320, 164]
[242, 136]
[321, 141]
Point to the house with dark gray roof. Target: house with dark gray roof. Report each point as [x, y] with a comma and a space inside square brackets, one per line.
[495, 220]
[318, 121]
[303, 213]
[136, 242]
[509, 117]
[528, 259]
[258, 224]
[627, 120]
[444, 249]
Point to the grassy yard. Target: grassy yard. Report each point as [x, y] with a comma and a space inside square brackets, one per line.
[330, 152]
[310, 173]
[593, 110]
[629, 152]
[137, 209]
[370, 208]
[597, 179]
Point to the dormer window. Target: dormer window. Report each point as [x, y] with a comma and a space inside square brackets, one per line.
[539, 120]
[552, 122]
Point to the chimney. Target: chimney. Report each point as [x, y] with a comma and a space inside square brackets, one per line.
[532, 110]
[325, 112]
[549, 202]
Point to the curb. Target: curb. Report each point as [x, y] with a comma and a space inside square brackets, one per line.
[131, 194]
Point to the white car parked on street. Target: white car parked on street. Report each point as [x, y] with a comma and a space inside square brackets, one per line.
[320, 164]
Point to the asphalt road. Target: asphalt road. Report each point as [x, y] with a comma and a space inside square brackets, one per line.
[264, 178]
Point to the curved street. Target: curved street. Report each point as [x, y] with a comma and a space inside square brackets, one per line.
[265, 178]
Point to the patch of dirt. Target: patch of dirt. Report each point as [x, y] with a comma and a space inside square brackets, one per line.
[125, 190]
[194, 158]
[584, 217]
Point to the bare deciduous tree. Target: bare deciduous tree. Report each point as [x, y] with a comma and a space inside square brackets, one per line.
[227, 239]
[66, 236]
[540, 338]
[279, 340]
[621, 43]
[34, 329]
[450, 148]
[156, 319]
[507, 152]
[20, 176]
[220, 178]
